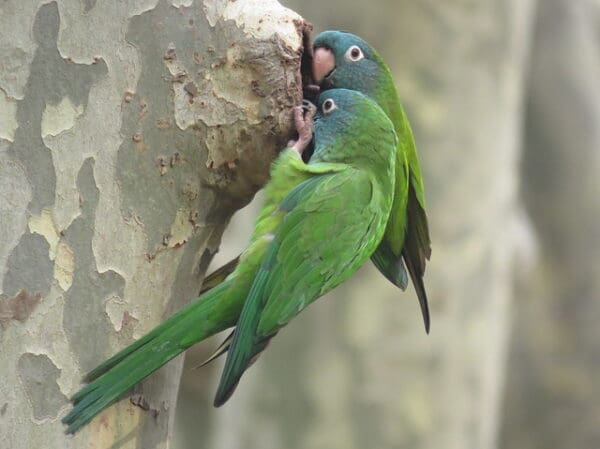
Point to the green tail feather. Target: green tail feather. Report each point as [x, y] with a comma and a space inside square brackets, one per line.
[243, 343]
[417, 250]
[390, 265]
[197, 321]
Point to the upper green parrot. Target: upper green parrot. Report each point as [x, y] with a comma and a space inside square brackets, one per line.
[346, 190]
[343, 60]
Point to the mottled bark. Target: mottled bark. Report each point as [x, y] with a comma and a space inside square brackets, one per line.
[356, 370]
[553, 396]
[129, 134]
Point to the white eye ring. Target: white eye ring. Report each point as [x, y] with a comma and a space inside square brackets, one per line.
[354, 53]
[328, 106]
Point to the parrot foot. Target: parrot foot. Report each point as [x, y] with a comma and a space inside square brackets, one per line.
[304, 124]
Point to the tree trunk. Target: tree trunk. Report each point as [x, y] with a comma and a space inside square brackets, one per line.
[129, 134]
[553, 396]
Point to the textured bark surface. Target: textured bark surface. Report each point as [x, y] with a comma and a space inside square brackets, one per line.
[356, 370]
[129, 134]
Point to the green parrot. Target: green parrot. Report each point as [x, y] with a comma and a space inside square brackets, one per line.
[343, 60]
[348, 207]
[346, 190]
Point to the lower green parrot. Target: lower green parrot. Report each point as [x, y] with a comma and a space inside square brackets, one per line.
[331, 225]
[345, 191]
[343, 60]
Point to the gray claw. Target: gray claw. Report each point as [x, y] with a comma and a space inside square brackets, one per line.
[306, 105]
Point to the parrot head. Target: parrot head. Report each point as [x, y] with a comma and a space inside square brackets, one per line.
[342, 59]
[349, 119]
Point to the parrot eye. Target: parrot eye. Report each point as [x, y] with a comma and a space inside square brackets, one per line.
[354, 53]
[328, 106]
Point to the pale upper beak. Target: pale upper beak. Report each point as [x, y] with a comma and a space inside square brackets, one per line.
[323, 63]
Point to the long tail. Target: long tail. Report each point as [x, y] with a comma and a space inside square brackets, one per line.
[417, 250]
[212, 313]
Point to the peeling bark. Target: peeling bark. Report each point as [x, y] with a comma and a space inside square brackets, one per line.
[129, 134]
[19, 307]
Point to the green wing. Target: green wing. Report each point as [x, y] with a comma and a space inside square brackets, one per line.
[418, 249]
[407, 233]
[287, 172]
[387, 257]
[344, 213]
[417, 244]
[331, 226]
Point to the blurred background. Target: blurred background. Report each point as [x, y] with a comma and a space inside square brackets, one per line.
[504, 100]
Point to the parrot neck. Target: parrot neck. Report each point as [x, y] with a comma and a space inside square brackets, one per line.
[368, 151]
[390, 102]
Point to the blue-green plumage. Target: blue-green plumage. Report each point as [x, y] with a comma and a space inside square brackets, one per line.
[332, 223]
[344, 60]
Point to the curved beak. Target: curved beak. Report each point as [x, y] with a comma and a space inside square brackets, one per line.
[323, 63]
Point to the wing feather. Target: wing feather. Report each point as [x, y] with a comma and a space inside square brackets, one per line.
[332, 224]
